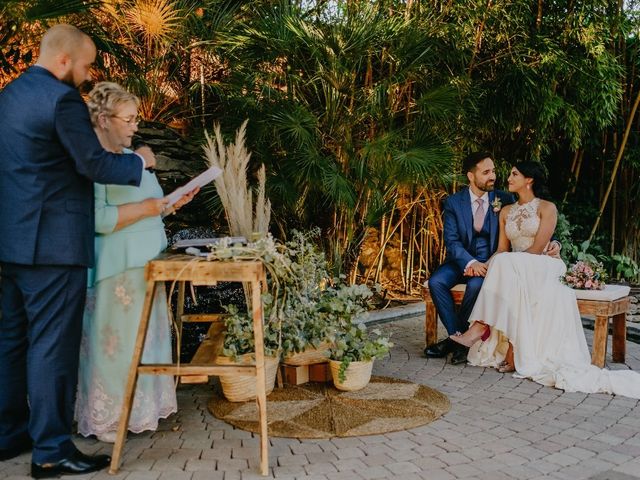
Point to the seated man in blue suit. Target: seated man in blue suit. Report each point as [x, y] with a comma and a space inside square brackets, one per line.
[49, 159]
[470, 236]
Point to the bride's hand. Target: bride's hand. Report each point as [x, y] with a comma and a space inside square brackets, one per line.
[476, 269]
[552, 249]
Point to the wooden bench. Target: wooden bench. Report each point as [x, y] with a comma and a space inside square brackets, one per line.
[613, 302]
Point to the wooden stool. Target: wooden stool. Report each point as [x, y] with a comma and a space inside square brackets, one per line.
[182, 268]
[602, 304]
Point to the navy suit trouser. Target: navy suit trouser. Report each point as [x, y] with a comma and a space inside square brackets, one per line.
[440, 283]
[40, 333]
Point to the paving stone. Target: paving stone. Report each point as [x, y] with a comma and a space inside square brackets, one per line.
[628, 468]
[453, 458]
[305, 448]
[354, 464]
[371, 473]
[201, 465]
[350, 452]
[377, 459]
[614, 457]
[614, 475]
[288, 471]
[253, 475]
[519, 472]
[233, 464]
[562, 459]
[462, 471]
[429, 463]
[219, 453]
[141, 475]
[175, 475]
[168, 464]
[103, 475]
[320, 468]
[401, 468]
[321, 457]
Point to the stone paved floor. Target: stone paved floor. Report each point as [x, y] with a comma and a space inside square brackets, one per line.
[498, 428]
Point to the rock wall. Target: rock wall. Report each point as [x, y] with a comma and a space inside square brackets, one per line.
[178, 160]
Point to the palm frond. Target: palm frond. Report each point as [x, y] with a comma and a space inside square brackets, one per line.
[51, 9]
[337, 187]
[422, 164]
[157, 21]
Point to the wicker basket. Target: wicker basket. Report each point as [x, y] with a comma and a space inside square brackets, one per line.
[309, 356]
[242, 388]
[357, 375]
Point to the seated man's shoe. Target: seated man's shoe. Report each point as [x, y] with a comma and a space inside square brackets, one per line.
[440, 349]
[75, 464]
[459, 355]
[19, 449]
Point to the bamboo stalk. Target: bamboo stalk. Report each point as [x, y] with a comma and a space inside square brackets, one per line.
[616, 165]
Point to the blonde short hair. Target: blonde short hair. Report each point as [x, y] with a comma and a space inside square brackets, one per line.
[106, 97]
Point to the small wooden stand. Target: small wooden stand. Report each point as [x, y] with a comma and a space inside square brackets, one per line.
[182, 268]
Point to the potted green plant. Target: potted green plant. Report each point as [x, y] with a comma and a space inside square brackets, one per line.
[239, 348]
[307, 332]
[352, 357]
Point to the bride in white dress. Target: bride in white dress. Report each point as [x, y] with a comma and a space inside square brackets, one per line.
[535, 325]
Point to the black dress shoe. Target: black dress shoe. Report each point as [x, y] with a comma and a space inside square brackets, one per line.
[19, 449]
[459, 355]
[75, 464]
[440, 349]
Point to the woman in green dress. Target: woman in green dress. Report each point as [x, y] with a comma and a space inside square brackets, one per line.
[129, 233]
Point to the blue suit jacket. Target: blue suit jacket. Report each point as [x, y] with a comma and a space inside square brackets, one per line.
[49, 159]
[458, 225]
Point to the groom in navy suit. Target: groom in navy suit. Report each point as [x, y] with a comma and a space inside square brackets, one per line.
[49, 159]
[471, 230]
[470, 237]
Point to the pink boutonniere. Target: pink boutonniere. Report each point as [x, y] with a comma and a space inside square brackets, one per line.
[496, 205]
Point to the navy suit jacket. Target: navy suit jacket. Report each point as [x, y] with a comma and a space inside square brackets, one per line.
[49, 159]
[458, 225]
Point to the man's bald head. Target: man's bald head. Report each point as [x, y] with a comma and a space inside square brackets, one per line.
[62, 38]
[67, 52]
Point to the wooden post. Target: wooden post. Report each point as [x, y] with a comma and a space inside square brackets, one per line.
[600, 332]
[431, 325]
[619, 342]
[132, 379]
[261, 396]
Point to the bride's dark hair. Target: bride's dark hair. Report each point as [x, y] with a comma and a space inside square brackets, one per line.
[536, 171]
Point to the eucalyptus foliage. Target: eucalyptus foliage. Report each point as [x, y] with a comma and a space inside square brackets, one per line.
[303, 307]
[355, 344]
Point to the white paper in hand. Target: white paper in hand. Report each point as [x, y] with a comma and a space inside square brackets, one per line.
[201, 180]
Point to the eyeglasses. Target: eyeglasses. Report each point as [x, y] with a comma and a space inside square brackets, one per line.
[128, 120]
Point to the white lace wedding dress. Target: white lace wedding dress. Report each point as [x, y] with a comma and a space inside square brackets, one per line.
[523, 301]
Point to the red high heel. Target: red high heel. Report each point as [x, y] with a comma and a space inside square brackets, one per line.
[486, 334]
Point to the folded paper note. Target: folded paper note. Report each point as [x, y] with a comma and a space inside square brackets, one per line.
[201, 180]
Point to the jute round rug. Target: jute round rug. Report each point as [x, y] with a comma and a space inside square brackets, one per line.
[318, 410]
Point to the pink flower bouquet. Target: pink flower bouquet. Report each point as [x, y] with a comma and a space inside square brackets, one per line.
[585, 275]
